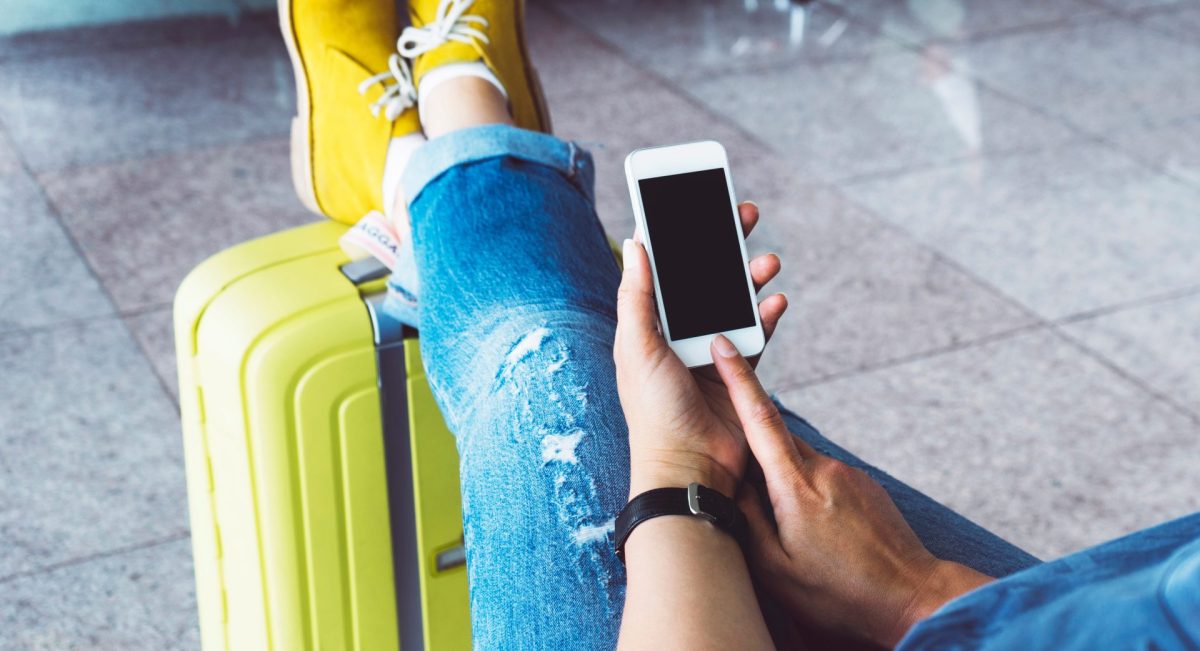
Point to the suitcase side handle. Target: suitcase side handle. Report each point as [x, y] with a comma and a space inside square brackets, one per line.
[451, 558]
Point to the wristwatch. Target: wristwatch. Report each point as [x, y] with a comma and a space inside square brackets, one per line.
[696, 500]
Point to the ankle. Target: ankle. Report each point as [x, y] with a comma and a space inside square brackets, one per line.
[461, 103]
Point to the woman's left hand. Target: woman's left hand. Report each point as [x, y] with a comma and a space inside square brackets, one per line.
[682, 426]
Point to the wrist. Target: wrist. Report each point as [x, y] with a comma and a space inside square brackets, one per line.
[677, 471]
[946, 581]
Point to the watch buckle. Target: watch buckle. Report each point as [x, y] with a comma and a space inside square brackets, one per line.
[693, 501]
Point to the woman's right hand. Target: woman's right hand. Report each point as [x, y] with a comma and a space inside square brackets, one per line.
[839, 555]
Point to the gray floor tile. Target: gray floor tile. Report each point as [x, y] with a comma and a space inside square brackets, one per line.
[252, 5]
[92, 452]
[1139, 5]
[612, 125]
[570, 61]
[1028, 436]
[24, 15]
[104, 106]
[1181, 21]
[10, 161]
[862, 294]
[142, 599]
[185, 30]
[1173, 147]
[144, 224]
[876, 115]
[957, 20]
[687, 40]
[154, 332]
[42, 278]
[1103, 76]
[1062, 231]
[1158, 343]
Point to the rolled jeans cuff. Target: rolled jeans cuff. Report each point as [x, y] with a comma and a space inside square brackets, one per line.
[474, 144]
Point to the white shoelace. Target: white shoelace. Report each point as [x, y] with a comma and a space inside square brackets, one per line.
[396, 96]
[452, 23]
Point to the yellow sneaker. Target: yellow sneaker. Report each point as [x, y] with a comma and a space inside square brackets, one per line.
[466, 31]
[338, 146]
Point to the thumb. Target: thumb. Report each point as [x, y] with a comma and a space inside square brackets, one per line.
[637, 323]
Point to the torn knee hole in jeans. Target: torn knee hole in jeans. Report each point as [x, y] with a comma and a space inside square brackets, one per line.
[552, 405]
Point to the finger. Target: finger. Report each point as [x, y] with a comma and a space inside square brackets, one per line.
[748, 212]
[774, 447]
[770, 311]
[763, 269]
[637, 325]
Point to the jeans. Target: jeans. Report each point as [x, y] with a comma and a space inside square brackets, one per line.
[515, 297]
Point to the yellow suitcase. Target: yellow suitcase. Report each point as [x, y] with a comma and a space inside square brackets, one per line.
[322, 481]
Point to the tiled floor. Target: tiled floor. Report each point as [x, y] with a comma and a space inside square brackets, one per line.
[988, 214]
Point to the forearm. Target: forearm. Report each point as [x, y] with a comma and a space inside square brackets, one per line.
[688, 588]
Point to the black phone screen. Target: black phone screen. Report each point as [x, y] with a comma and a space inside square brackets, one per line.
[697, 255]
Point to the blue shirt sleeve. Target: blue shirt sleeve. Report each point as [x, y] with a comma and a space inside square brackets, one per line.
[1138, 592]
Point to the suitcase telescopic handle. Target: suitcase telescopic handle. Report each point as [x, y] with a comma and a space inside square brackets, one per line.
[365, 270]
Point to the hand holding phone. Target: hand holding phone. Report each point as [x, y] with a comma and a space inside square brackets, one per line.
[682, 426]
[684, 204]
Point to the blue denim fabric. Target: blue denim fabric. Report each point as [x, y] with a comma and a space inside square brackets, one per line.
[1138, 592]
[517, 312]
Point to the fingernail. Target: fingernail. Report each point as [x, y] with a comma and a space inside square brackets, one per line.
[724, 346]
[627, 248]
[752, 203]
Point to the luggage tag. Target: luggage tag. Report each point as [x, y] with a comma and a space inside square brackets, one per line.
[373, 237]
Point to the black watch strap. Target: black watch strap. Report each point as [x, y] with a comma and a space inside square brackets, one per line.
[695, 500]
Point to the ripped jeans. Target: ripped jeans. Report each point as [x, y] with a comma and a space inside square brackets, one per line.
[515, 297]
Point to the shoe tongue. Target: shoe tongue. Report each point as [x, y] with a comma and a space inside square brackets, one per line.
[446, 53]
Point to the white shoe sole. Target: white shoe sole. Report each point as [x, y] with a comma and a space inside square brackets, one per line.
[301, 136]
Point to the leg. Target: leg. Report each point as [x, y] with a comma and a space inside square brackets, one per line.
[517, 319]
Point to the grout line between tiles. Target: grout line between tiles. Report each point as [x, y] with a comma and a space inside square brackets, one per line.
[1088, 135]
[1111, 15]
[1165, 297]
[161, 154]
[1126, 374]
[1054, 325]
[894, 362]
[79, 322]
[1049, 25]
[1054, 328]
[82, 560]
[653, 75]
[78, 250]
[232, 20]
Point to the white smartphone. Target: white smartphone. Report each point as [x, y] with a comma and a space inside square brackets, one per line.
[686, 211]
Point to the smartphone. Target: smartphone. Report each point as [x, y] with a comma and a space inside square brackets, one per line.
[685, 208]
